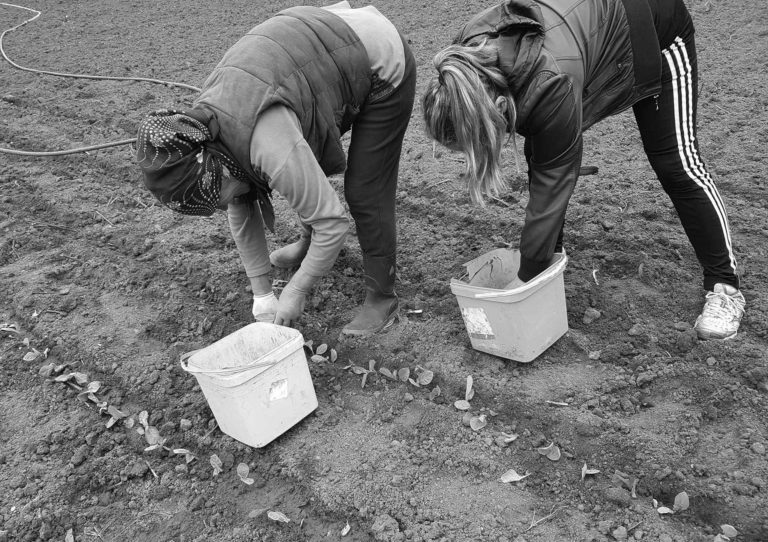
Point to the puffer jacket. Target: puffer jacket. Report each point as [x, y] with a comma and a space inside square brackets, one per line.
[569, 64]
[305, 58]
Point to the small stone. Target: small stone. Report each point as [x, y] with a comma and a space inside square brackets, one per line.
[604, 526]
[620, 533]
[617, 496]
[665, 538]
[635, 330]
[711, 361]
[79, 456]
[758, 448]
[590, 315]
[384, 526]
[682, 326]
[46, 532]
[185, 424]
[408, 397]
[197, 503]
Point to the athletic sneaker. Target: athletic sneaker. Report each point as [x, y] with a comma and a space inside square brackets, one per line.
[722, 313]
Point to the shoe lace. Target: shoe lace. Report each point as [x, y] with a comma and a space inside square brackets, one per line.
[722, 306]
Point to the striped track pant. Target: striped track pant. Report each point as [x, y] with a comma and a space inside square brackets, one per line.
[667, 124]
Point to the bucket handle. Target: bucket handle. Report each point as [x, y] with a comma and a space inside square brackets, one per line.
[184, 360]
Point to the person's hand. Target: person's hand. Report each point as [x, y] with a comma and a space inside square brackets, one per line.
[291, 304]
[264, 307]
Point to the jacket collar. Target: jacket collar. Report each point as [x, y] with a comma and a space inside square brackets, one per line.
[517, 27]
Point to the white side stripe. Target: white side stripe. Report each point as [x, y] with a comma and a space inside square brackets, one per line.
[676, 56]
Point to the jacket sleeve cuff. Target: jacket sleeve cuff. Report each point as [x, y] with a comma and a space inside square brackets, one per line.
[530, 268]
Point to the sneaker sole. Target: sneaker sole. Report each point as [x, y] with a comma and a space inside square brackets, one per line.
[706, 336]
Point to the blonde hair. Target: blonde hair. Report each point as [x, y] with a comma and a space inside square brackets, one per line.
[468, 107]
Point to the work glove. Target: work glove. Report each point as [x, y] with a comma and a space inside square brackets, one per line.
[264, 307]
[294, 297]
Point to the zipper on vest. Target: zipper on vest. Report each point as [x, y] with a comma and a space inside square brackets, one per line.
[656, 101]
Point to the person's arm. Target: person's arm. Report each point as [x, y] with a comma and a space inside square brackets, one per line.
[279, 150]
[553, 131]
[247, 229]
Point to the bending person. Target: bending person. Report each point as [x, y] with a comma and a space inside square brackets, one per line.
[270, 117]
[548, 71]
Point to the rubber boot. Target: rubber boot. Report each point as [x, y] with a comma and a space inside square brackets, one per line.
[381, 307]
[291, 256]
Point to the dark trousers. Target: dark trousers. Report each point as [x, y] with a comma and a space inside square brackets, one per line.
[667, 125]
[370, 181]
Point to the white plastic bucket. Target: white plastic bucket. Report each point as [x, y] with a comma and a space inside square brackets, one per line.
[256, 381]
[519, 323]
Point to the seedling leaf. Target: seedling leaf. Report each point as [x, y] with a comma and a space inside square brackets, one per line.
[681, 502]
[425, 377]
[322, 349]
[412, 381]
[478, 422]
[345, 530]
[470, 393]
[216, 464]
[334, 355]
[278, 516]
[434, 393]
[461, 404]
[143, 418]
[358, 370]
[115, 413]
[152, 435]
[365, 379]
[664, 510]
[404, 373]
[31, 356]
[509, 437]
[317, 358]
[81, 378]
[551, 452]
[729, 530]
[585, 471]
[386, 372]
[512, 476]
[242, 472]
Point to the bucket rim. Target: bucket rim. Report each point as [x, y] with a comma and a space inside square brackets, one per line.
[481, 292]
[186, 358]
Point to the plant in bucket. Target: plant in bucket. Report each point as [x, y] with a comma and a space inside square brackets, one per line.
[256, 381]
[516, 323]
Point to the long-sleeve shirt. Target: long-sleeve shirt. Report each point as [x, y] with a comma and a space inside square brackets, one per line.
[279, 150]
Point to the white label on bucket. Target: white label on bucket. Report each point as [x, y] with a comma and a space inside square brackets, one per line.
[477, 323]
[278, 390]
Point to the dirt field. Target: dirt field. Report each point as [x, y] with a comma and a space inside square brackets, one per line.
[97, 279]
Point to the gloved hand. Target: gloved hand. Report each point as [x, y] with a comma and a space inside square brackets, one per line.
[264, 307]
[294, 297]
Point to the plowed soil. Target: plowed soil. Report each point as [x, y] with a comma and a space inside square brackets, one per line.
[97, 279]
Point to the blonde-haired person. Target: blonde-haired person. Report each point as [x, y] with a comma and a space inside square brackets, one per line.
[548, 71]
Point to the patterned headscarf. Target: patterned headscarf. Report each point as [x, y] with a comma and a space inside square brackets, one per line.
[183, 163]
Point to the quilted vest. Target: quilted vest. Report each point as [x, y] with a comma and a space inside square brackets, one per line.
[305, 58]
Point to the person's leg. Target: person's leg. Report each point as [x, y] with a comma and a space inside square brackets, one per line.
[667, 124]
[370, 185]
[292, 255]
